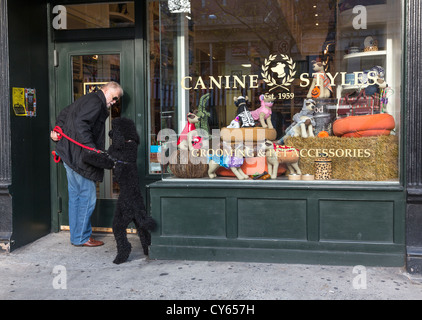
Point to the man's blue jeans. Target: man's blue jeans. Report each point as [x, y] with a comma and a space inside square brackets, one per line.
[82, 200]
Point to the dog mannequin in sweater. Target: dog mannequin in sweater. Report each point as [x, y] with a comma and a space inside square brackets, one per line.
[263, 114]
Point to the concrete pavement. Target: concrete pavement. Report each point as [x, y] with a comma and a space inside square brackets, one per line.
[51, 268]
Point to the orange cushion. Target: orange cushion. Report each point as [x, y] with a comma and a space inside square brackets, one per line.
[364, 126]
[250, 167]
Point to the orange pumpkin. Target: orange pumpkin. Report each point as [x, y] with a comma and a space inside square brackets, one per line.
[323, 134]
[316, 92]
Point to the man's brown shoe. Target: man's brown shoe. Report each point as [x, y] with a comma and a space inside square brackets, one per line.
[93, 243]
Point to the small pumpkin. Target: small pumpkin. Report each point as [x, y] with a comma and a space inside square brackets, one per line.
[316, 92]
[323, 134]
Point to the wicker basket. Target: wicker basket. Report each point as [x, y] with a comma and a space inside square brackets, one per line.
[183, 166]
[371, 48]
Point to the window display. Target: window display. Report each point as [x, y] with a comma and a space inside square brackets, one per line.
[276, 90]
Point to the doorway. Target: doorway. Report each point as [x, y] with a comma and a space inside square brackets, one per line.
[81, 68]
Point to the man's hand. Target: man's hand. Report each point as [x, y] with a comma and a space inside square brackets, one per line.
[54, 136]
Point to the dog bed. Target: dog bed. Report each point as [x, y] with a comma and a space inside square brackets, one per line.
[247, 134]
[250, 167]
[364, 126]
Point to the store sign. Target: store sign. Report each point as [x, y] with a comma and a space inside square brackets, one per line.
[278, 72]
[220, 82]
[285, 78]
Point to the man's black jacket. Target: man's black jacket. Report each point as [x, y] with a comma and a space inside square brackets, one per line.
[83, 121]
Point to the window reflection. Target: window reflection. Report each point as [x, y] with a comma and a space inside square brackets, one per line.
[100, 15]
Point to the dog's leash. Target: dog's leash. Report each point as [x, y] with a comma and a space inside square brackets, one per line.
[118, 161]
[61, 135]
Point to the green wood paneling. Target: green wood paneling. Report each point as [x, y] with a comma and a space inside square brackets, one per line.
[363, 221]
[200, 217]
[272, 219]
[284, 223]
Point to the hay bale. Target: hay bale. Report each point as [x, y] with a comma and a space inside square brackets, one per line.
[356, 159]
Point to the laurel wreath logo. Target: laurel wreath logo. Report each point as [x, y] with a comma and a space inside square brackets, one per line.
[271, 82]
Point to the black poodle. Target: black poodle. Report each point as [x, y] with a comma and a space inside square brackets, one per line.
[121, 157]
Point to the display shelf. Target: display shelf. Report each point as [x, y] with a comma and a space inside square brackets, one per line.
[354, 87]
[363, 55]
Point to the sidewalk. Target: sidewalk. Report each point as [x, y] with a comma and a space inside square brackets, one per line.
[34, 271]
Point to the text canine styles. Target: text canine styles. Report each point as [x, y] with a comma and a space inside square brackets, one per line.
[252, 81]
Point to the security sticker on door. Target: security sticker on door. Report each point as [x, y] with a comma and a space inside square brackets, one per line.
[24, 102]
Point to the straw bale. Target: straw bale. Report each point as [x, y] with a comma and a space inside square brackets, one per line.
[357, 159]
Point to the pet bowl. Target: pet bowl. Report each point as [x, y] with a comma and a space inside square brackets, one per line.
[294, 177]
[308, 177]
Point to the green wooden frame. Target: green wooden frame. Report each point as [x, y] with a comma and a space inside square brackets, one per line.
[136, 52]
[255, 222]
[333, 223]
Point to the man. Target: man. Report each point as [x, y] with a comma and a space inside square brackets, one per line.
[84, 121]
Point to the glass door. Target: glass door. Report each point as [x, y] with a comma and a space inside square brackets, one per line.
[90, 72]
[83, 68]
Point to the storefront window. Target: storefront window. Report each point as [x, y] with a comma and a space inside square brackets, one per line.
[276, 90]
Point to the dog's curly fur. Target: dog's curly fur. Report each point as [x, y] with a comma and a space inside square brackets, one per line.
[122, 156]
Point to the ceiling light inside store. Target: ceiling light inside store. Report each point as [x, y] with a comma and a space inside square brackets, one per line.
[212, 16]
[247, 65]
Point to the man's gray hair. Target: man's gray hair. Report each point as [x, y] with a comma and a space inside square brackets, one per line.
[113, 85]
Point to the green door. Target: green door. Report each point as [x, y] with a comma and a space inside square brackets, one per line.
[82, 67]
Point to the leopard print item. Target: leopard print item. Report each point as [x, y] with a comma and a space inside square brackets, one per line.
[323, 170]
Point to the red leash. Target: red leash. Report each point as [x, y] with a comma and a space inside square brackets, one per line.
[61, 135]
